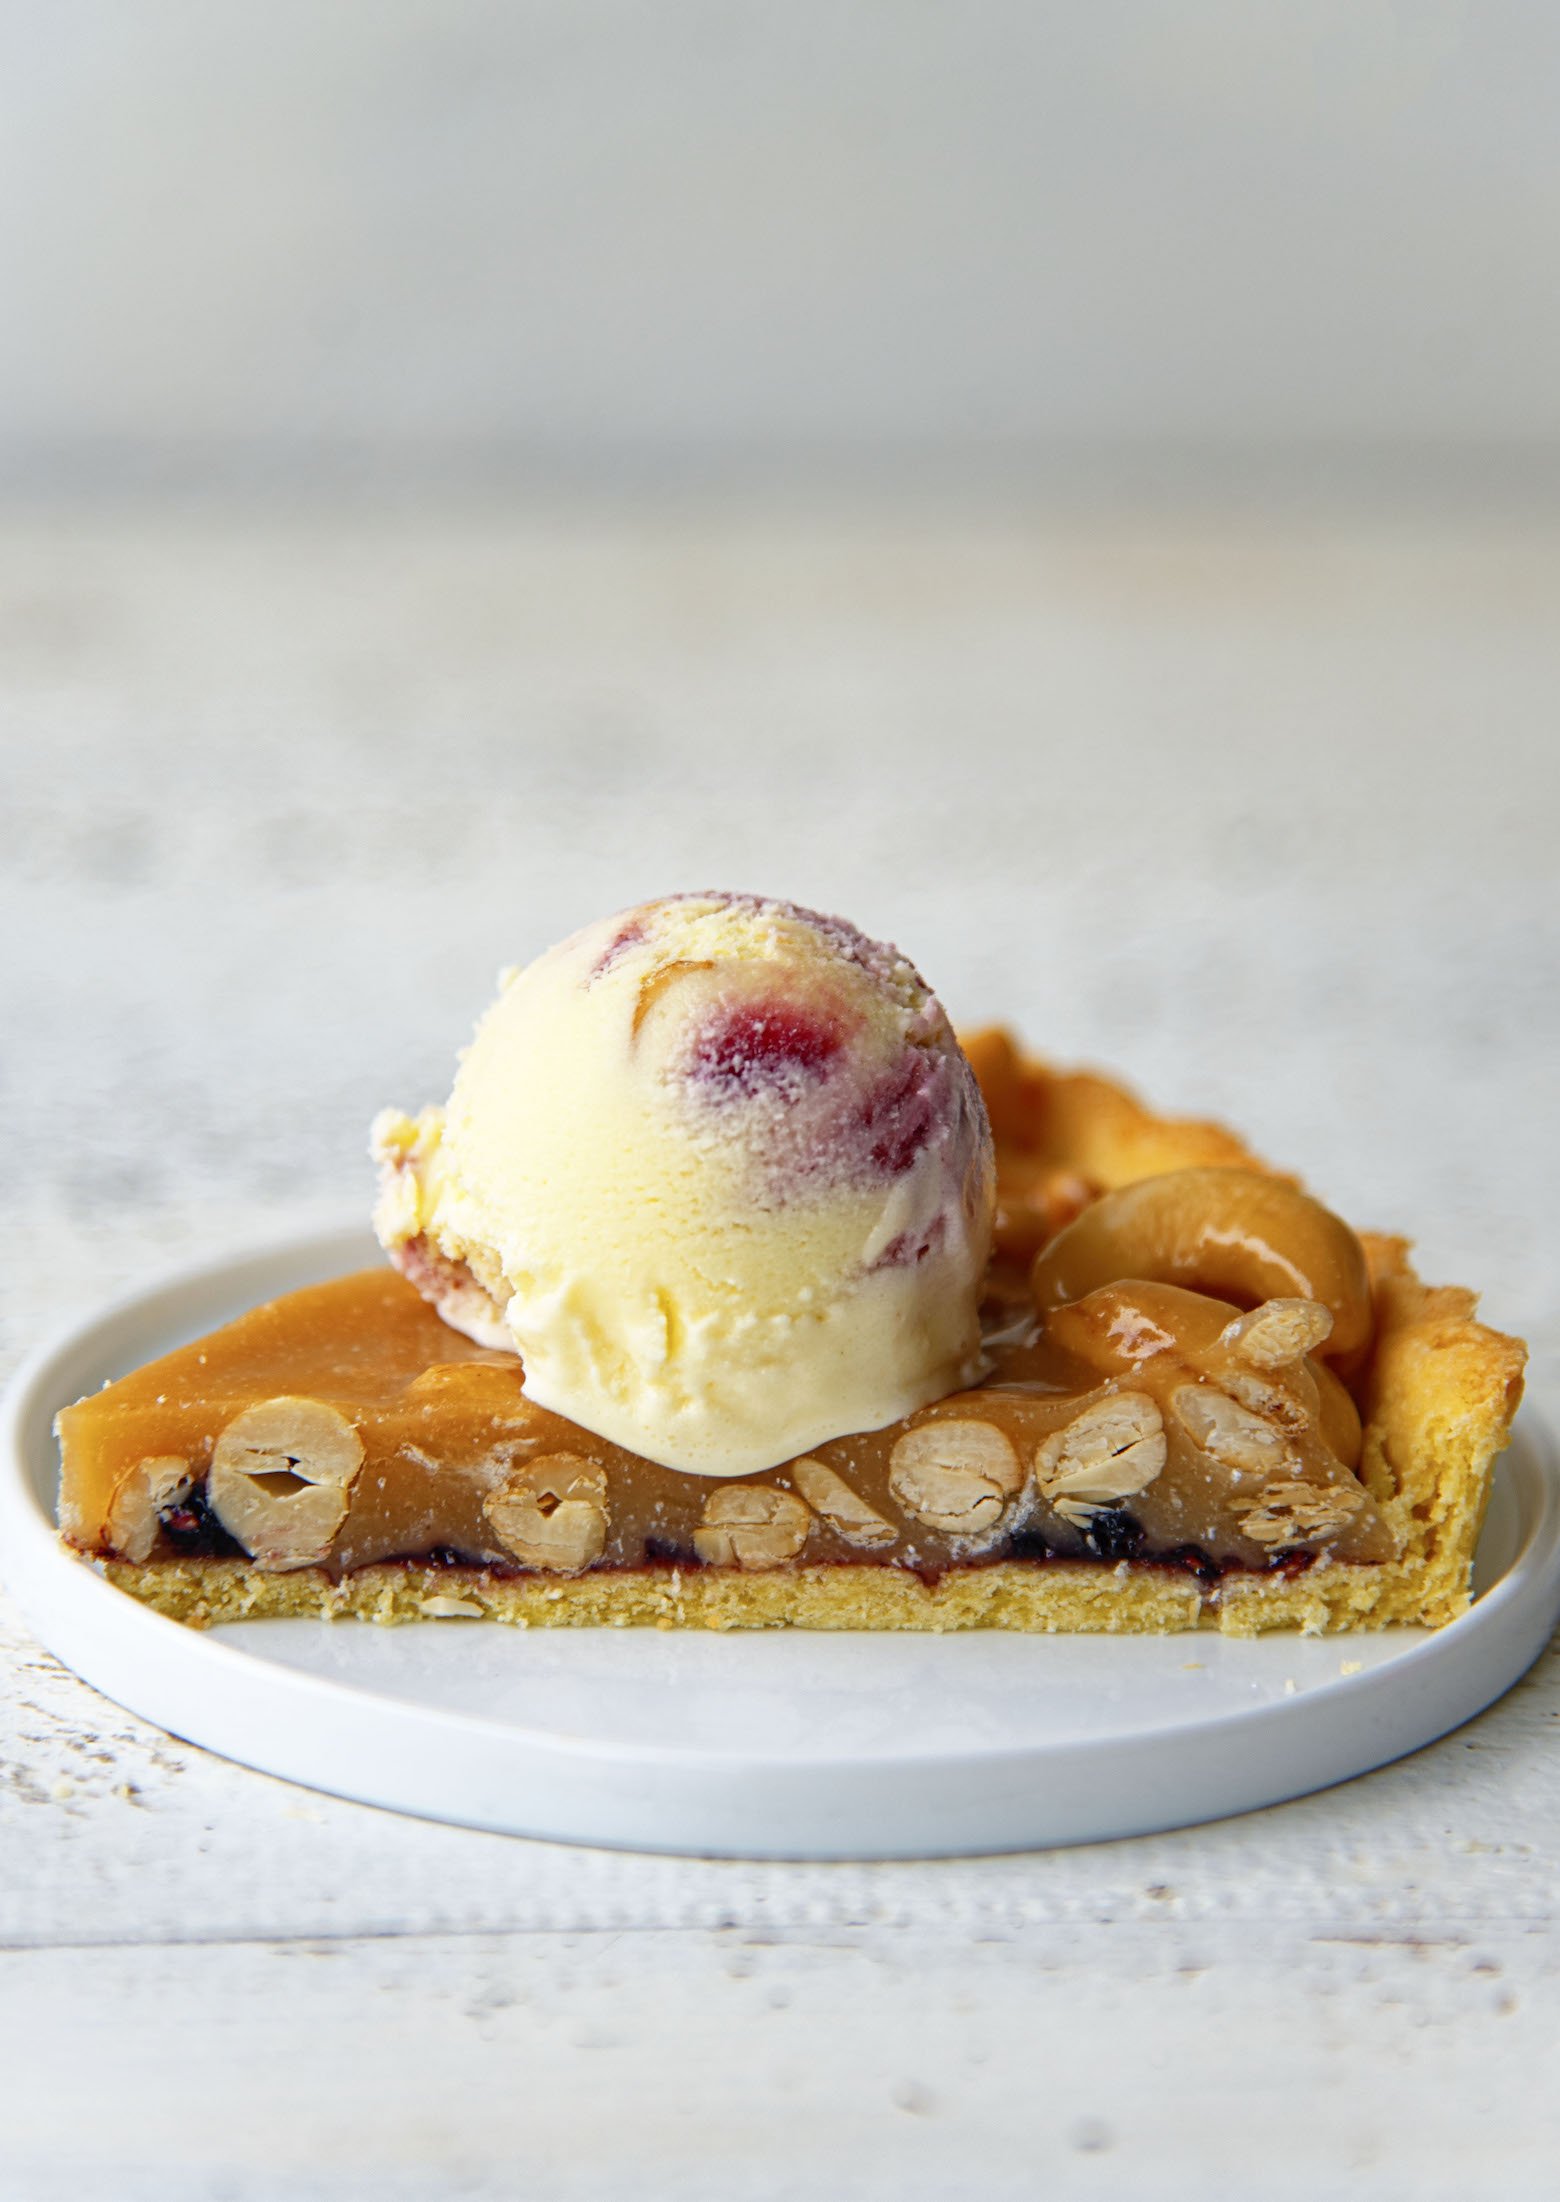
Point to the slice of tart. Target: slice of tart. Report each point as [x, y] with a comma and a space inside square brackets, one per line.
[1196, 1398]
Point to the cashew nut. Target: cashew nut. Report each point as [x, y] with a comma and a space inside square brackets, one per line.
[551, 1512]
[140, 1496]
[1293, 1402]
[1278, 1332]
[1119, 1328]
[281, 1477]
[845, 1511]
[1234, 1436]
[1235, 1234]
[955, 1476]
[1294, 1513]
[1110, 1451]
[751, 1525]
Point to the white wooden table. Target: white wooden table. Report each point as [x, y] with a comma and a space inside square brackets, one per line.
[1262, 815]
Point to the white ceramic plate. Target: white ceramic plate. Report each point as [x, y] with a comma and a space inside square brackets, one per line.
[770, 1744]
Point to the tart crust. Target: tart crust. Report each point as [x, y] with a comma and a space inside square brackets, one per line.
[1437, 1400]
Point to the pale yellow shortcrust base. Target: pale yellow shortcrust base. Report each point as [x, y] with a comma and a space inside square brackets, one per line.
[1443, 1390]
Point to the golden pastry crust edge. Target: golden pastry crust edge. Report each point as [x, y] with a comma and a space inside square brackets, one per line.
[1443, 1390]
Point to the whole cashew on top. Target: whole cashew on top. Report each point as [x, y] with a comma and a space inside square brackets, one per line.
[1235, 1234]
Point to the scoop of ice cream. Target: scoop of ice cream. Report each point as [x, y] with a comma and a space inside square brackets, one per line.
[719, 1170]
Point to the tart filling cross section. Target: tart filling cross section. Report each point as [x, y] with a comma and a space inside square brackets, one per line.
[1206, 1401]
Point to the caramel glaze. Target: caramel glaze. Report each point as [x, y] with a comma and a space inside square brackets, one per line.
[443, 1422]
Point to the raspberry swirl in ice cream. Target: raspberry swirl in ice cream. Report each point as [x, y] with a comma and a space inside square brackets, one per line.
[719, 1170]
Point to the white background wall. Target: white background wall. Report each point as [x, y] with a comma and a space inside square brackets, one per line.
[566, 234]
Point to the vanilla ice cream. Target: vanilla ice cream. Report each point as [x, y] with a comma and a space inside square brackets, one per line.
[718, 1170]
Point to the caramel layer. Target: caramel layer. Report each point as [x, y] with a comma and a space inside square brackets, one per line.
[418, 1444]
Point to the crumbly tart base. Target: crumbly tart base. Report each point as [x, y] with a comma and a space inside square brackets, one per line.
[1062, 1598]
[1442, 1393]
[1057, 1597]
